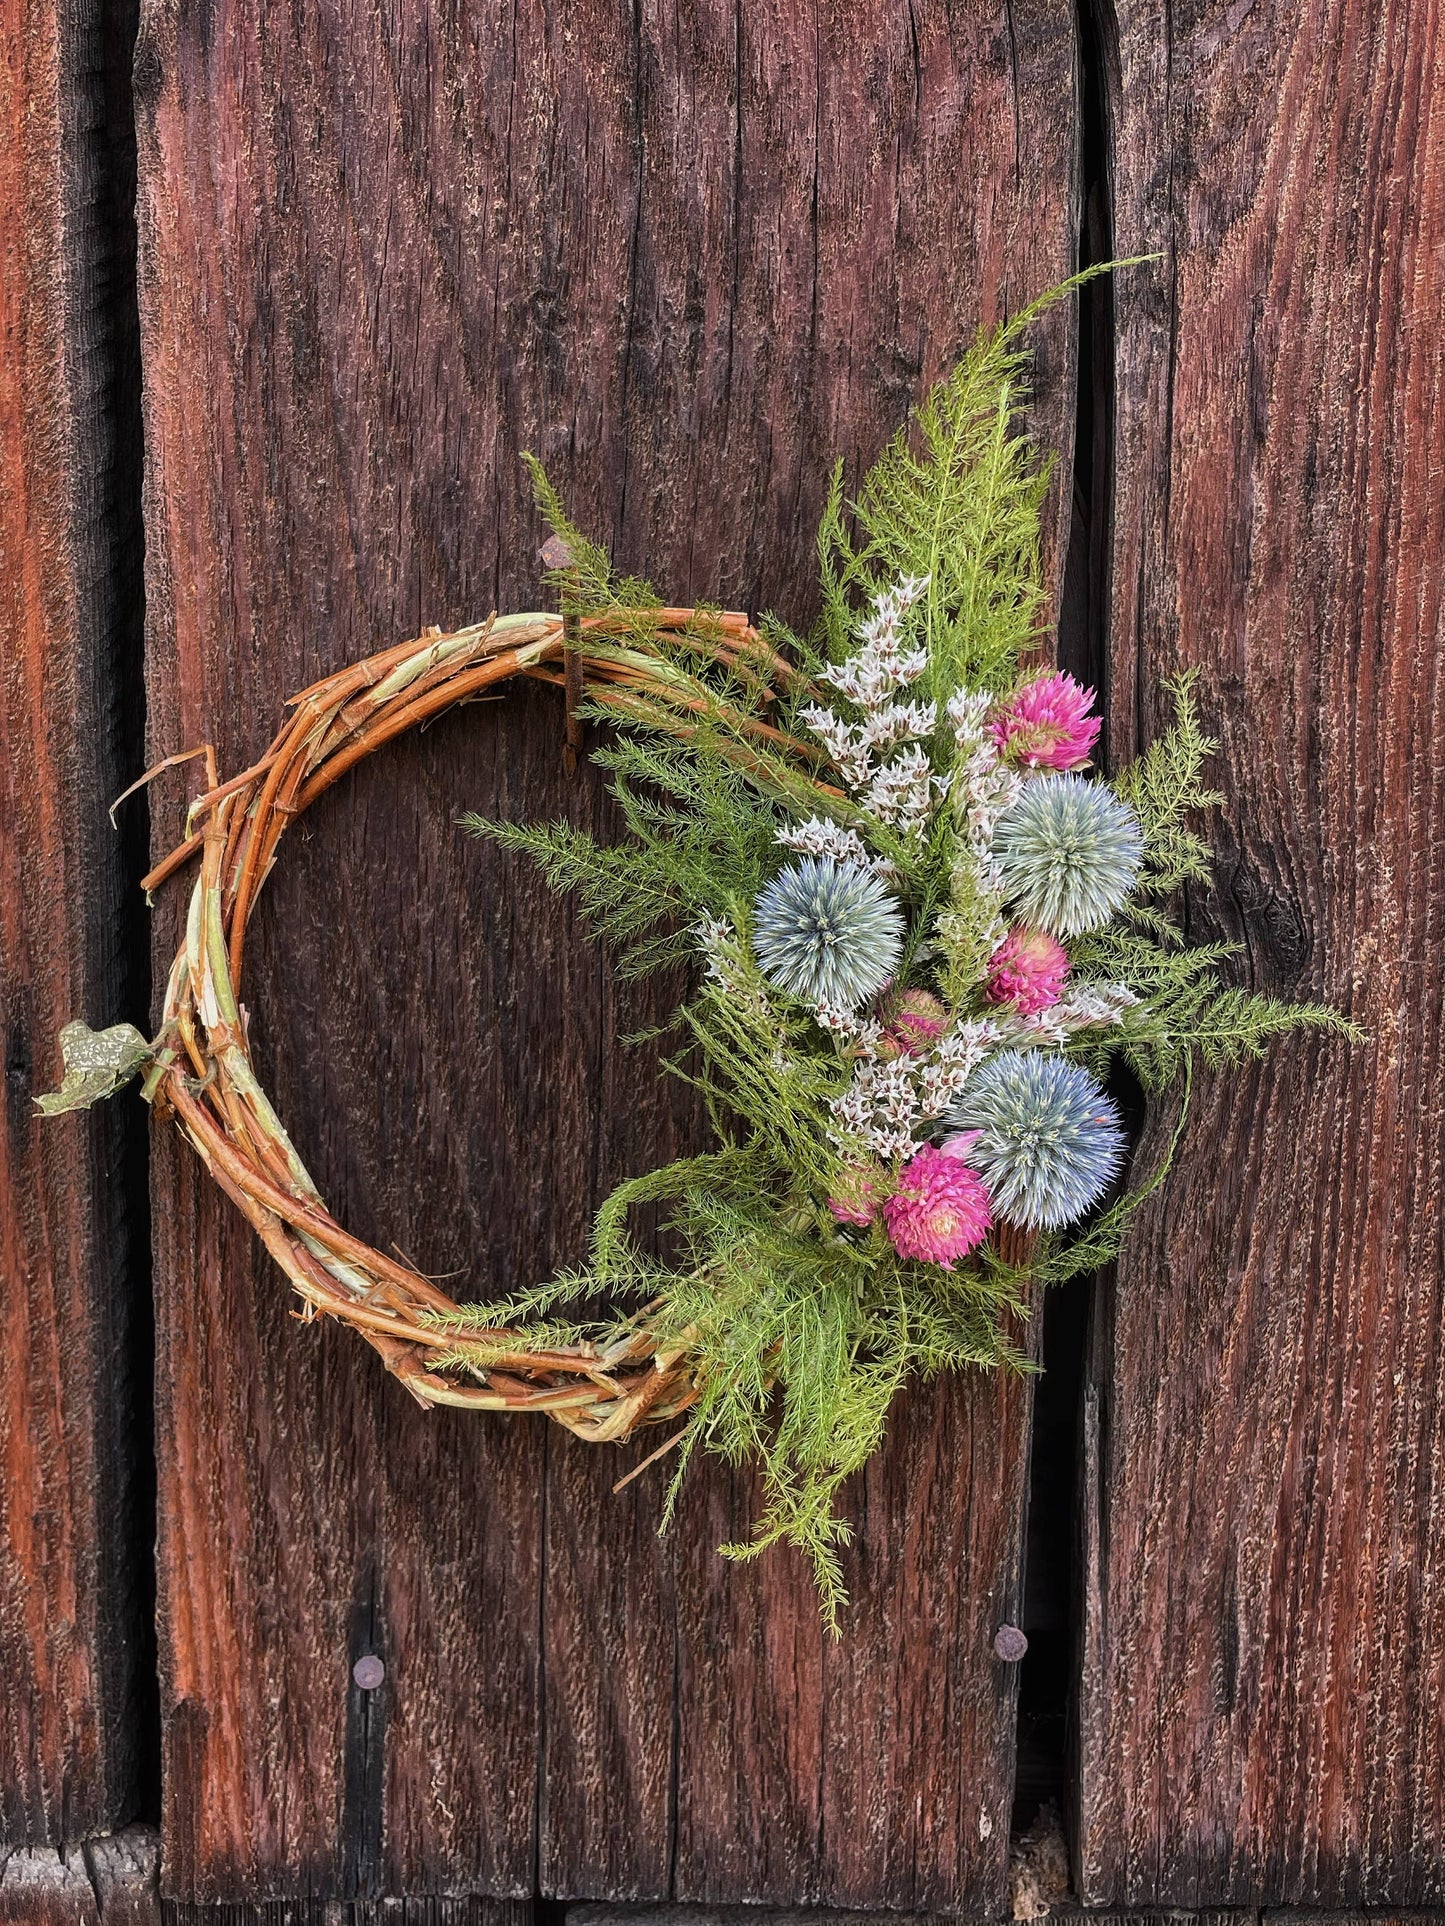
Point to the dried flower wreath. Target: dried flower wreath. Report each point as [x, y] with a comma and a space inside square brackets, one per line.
[920, 933]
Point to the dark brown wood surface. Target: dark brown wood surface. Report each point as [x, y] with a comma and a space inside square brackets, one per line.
[421, 1910]
[687, 257]
[75, 1656]
[1264, 1666]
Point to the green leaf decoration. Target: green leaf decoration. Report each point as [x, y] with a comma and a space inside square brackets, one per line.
[97, 1064]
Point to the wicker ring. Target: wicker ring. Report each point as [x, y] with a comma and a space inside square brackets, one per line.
[202, 1073]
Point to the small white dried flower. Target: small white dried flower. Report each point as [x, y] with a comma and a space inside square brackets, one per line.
[878, 1110]
[904, 792]
[951, 1062]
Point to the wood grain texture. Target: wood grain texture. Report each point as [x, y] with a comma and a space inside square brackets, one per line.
[40, 1886]
[124, 1870]
[1064, 1915]
[74, 1524]
[877, 1770]
[424, 1910]
[413, 1911]
[806, 1771]
[686, 257]
[1264, 1665]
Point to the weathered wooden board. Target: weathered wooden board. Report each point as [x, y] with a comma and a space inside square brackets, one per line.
[110, 1882]
[40, 1887]
[1264, 1666]
[74, 1531]
[687, 258]
[1066, 1915]
[421, 1911]
[807, 1771]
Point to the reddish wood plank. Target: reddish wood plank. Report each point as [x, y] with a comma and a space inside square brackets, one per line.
[381, 252]
[1265, 1657]
[73, 1370]
[879, 1771]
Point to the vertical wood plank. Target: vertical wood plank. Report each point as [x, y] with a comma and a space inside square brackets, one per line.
[1265, 1615]
[935, 175]
[687, 258]
[74, 1513]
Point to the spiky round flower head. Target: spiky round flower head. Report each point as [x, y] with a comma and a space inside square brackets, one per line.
[940, 1210]
[1049, 1140]
[856, 1195]
[1027, 971]
[827, 932]
[913, 1022]
[1046, 724]
[1067, 853]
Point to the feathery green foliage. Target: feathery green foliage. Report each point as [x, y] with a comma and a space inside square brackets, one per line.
[956, 496]
[1184, 1011]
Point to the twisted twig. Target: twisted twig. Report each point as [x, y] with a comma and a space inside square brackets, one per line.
[202, 1072]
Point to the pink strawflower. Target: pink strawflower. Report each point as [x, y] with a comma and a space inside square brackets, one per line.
[1027, 970]
[857, 1195]
[940, 1210]
[1046, 724]
[913, 1021]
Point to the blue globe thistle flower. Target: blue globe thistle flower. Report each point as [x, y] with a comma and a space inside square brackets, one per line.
[828, 932]
[1068, 852]
[1049, 1140]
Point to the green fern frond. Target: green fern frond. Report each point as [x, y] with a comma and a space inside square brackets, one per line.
[1164, 786]
[1161, 1038]
[955, 496]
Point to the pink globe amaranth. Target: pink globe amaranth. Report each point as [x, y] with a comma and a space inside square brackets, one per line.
[940, 1210]
[1027, 971]
[913, 1022]
[857, 1195]
[1046, 724]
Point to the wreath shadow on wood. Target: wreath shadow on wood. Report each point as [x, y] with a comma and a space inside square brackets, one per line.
[203, 1076]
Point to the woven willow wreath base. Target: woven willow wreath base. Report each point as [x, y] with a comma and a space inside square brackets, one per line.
[203, 1076]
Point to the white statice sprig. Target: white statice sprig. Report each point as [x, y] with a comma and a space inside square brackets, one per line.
[952, 1061]
[819, 837]
[904, 792]
[727, 966]
[984, 787]
[877, 751]
[891, 1102]
[878, 1111]
[883, 661]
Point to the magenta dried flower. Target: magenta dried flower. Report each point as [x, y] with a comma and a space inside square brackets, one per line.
[856, 1195]
[940, 1210]
[1027, 971]
[913, 1021]
[1046, 724]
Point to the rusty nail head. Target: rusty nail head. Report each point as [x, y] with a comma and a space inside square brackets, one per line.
[368, 1672]
[556, 554]
[1009, 1644]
